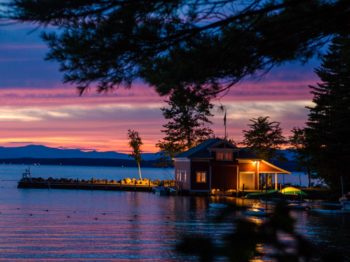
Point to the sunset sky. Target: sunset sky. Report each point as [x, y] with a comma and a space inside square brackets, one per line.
[36, 108]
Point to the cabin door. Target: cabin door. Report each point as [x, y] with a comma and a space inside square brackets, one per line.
[246, 180]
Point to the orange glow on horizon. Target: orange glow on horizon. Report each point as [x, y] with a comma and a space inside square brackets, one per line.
[120, 146]
[58, 117]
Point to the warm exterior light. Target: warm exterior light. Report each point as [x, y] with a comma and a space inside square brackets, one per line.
[254, 162]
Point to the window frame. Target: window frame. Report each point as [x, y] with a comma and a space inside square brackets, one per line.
[201, 177]
[181, 175]
[223, 155]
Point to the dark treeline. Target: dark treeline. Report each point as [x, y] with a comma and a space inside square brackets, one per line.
[290, 165]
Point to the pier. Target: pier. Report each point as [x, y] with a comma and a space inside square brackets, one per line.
[144, 185]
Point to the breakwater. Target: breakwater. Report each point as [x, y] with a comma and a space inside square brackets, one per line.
[144, 185]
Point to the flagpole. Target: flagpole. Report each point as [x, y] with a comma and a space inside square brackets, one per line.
[225, 125]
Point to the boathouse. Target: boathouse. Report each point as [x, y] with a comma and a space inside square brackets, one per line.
[217, 164]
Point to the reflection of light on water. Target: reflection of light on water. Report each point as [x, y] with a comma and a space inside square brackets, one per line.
[256, 205]
[289, 241]
[240, 202]
[215, 199]
[200, 203]
[111, 226]
[260, 249]
[255, 220]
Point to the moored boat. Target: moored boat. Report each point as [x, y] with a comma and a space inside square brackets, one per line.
[257, 212]
[164, 191]
[218, 205]
[343, 207]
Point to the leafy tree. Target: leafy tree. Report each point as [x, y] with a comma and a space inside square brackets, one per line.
[264, 137]
[299, 144]
[135, 143]
[328, 126]
[207, 43]
[188, 114]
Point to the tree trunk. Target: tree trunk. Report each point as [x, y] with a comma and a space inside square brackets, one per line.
[139, 169]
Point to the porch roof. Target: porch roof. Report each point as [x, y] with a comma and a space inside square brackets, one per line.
[265, 167]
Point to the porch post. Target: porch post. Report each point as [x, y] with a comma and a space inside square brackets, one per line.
[237, 179]
[276, 182]
[209, 176]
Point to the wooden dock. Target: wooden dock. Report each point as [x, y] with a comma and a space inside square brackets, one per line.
[87, 184]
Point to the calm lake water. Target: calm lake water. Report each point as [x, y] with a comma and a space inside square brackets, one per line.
[73, 225]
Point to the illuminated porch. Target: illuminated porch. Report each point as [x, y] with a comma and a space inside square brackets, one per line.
[257, 174]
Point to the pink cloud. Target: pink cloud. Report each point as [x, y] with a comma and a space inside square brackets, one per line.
[60, 96]
[101, 121]
[16, 46]
[37, 108]
[264, 91]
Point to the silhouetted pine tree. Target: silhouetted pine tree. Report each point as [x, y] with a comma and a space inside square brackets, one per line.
[298, 142]
[188, 115]
[264, 137]
[328, 126]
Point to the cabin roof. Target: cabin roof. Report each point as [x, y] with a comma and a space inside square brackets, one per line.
[203, 149]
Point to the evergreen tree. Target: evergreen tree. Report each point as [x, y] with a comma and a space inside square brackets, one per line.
[188, 114]
[209, 43]
[299, 145]
[328, 126]
[135, 143]
[264, 137]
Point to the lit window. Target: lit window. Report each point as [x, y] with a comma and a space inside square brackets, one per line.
[224, 156]
[183, 175]
[228, 156]
[178, 175]
[219, 156]
[201, 177]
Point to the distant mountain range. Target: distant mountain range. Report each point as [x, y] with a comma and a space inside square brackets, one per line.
[38, 154]
[44, 152]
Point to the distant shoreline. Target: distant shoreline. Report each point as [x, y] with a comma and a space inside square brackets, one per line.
[82, 162]
[109, 162]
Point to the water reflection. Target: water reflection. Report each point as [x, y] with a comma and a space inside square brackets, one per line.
[75, 225]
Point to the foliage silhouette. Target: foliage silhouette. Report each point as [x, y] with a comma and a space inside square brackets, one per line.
[298, 142]
[188, 114]
[264, 137]
[209, 44]
[328, 125]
